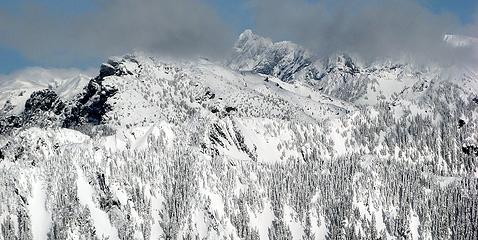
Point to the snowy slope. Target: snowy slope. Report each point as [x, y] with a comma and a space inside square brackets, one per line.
[155, 88]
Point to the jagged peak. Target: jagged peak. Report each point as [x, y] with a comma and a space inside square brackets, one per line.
[249, 40]
[248, 33]
[259, 54]
[124, 65]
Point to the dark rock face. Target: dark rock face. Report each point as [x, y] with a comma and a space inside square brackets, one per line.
[10, 122]
[92, 105]
[42, 101]
[230, 109]
[107, 70]
[470, 150]
[461, 123]
[113, 68]
[43, 108]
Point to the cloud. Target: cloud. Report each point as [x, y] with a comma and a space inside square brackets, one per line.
[169, 27]
[370, 28]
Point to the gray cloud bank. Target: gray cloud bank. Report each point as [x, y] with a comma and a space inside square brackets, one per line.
[368, 28]
[169, 27]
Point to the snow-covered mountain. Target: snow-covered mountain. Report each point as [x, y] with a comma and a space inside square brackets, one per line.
[254, 53]
[340, 75]
[274, 144]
